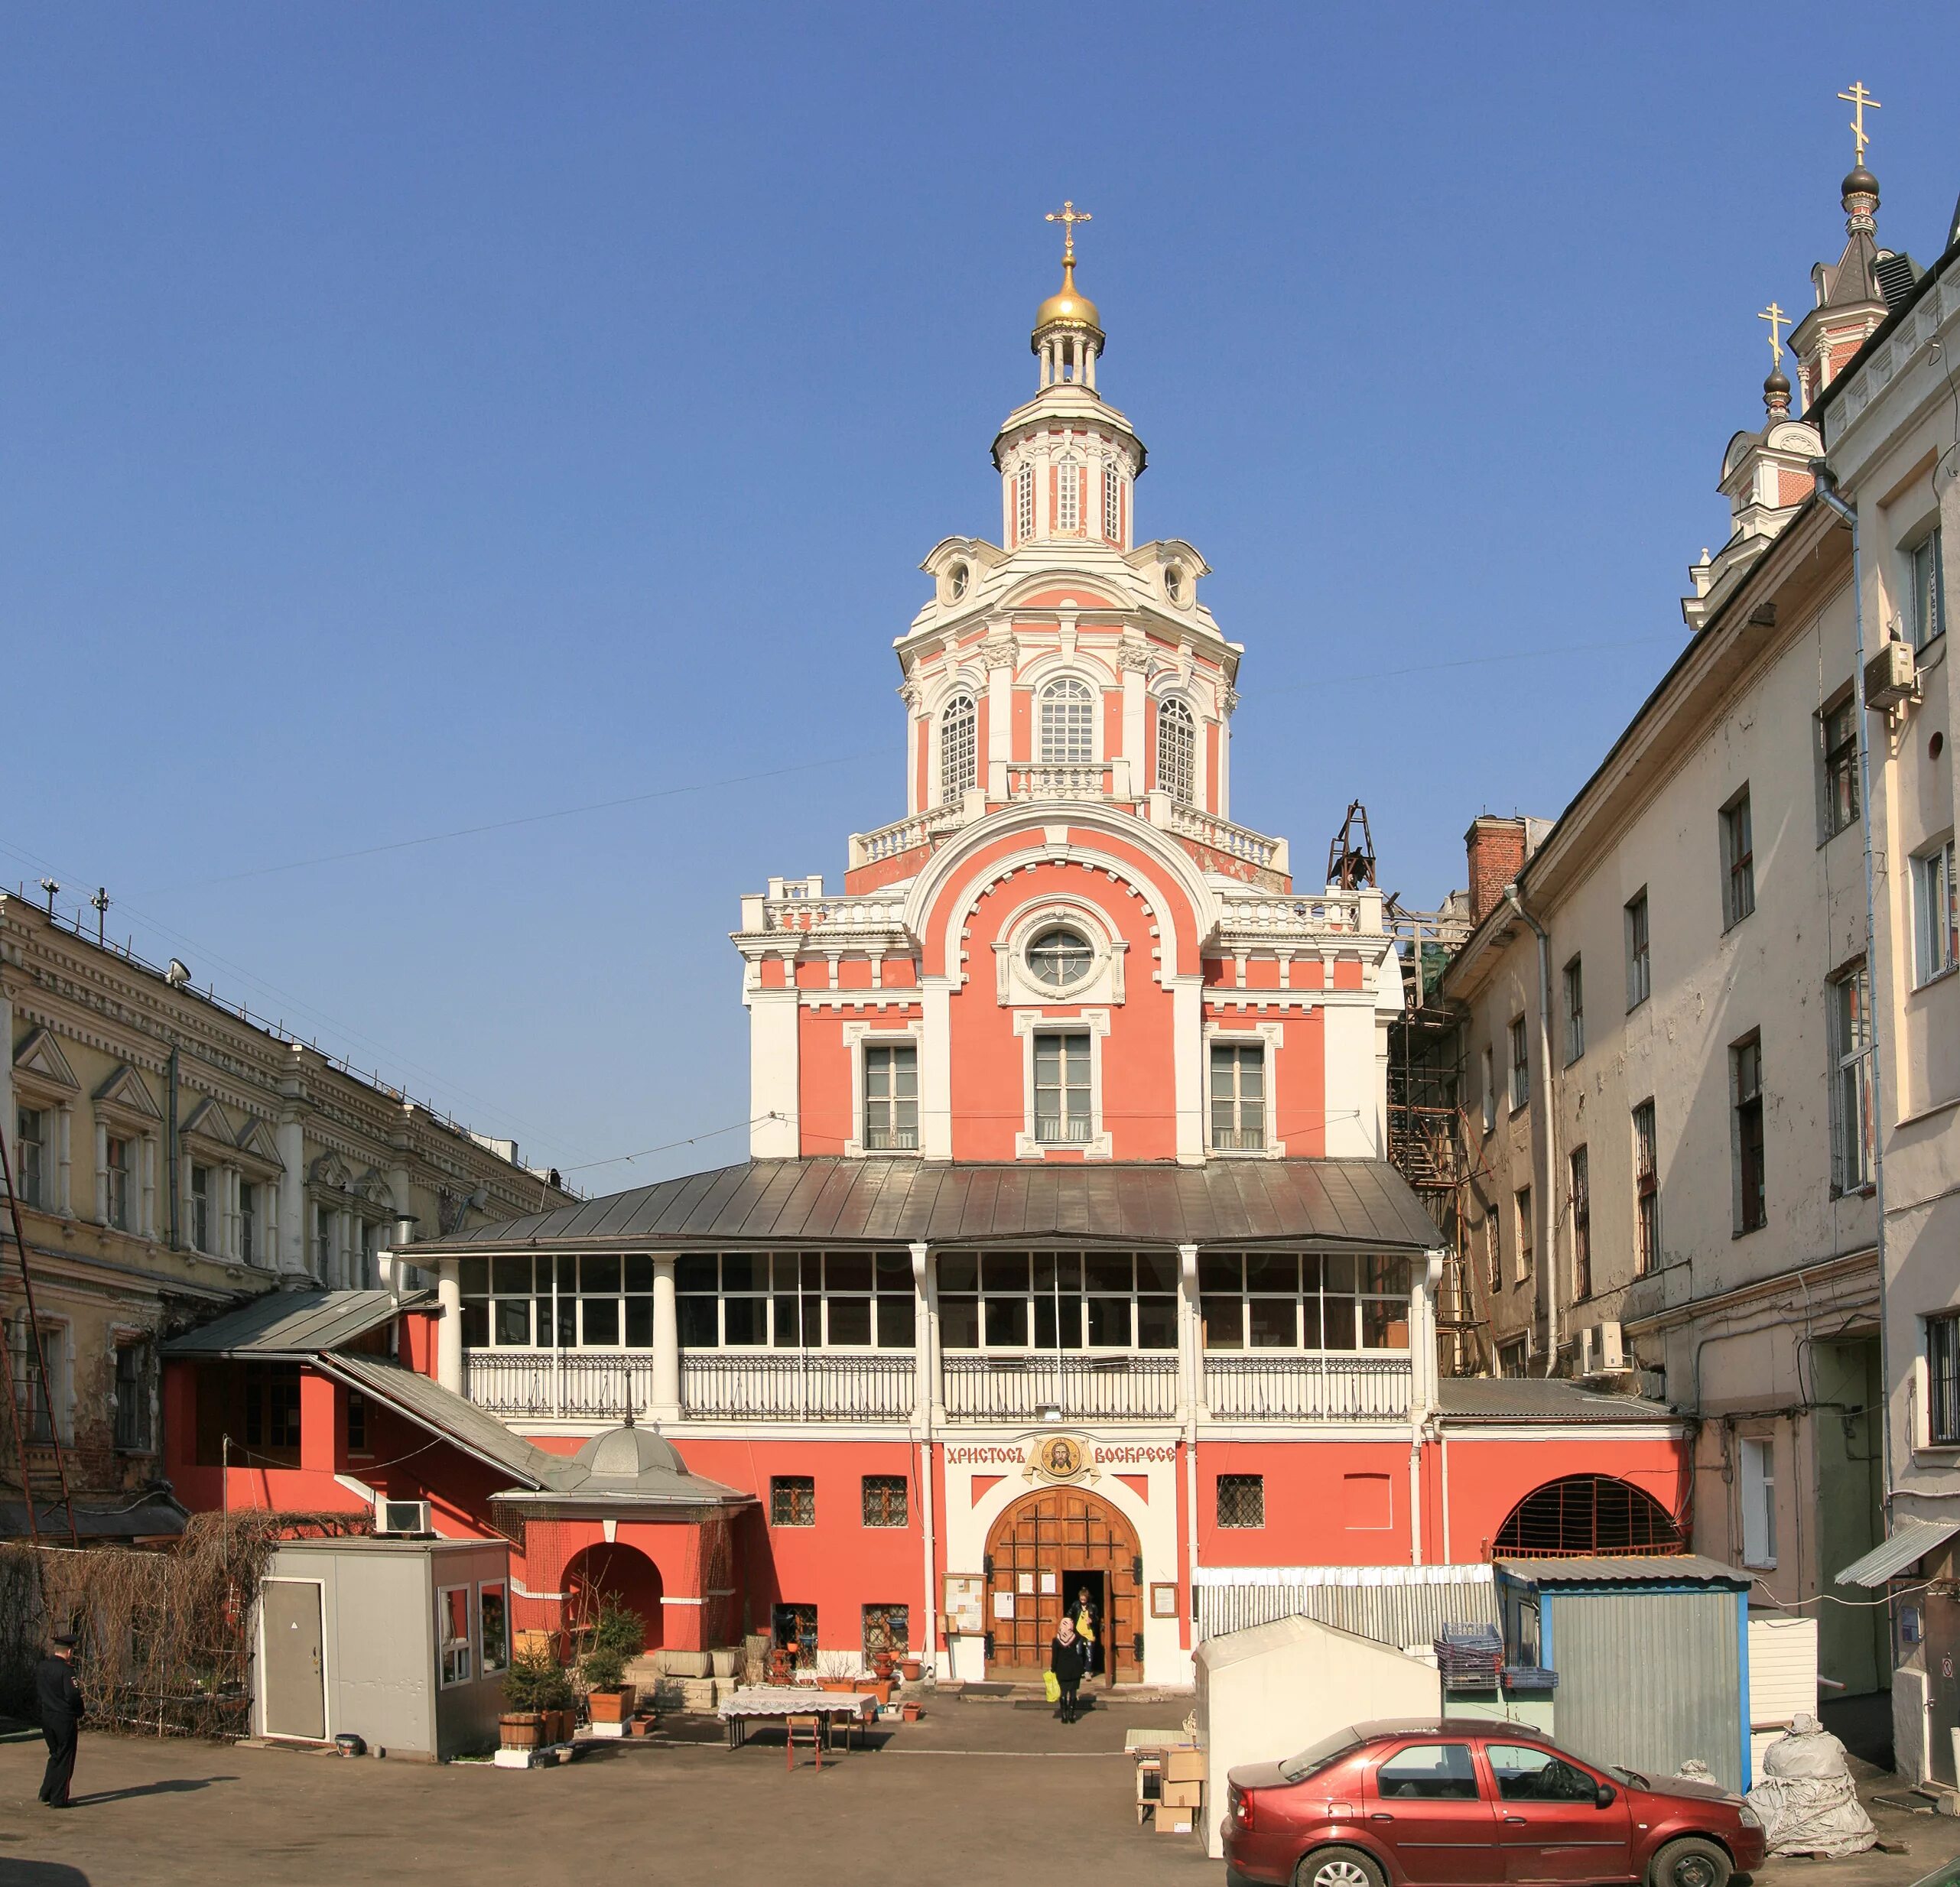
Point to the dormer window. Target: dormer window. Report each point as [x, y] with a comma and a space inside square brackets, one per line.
[958, 748]
[1177, 750]
[1024, 504]
[1174, 583]
[1068, 735]
[956, 582]
[1069, 498]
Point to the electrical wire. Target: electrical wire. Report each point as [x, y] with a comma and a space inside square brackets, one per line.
[713, 1133]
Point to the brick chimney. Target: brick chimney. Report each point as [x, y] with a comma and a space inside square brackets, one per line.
[1496, 850]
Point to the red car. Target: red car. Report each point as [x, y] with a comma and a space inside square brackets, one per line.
[1462, 1802]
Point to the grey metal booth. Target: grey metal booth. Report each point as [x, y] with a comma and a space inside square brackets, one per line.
[1652, 1654]
[404, 1641]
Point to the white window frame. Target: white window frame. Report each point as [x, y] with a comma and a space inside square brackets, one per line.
[447, 1645]
[1017, 985]
[1738, 856]
[1024, 504]
[1851, 1120]
[1270, 1037]
[1176, 769]
[1052, 689]
[1112, 503]
[43, 1083]
[1489, 1090]
[34, 1180]
[1068, 482]
[1756, 1481]
[1934, 903]
[1573, 982]
[955, 740]
[1638, 918]
[484, 1667]
[57, 1349]
[1926, 611]
[857, 1035]
[1517, 1039]
[1093, 1024]
[146, 1342]
[1647, 1261]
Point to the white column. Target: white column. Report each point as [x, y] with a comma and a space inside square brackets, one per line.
[147, 1164]
[64, 1198]
[1190, 1335]
[666, 1342]
[291, 1260]
[922, 1360]
[101, 1172]
[1089, 362]
[449, 1326]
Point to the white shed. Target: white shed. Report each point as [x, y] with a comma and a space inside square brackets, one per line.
[1265, 1692]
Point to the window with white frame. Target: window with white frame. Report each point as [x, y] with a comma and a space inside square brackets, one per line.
[1738, 862]
[1065, 1109]
[795, 1300]
[1068, 497]
[203, 1183]
[1745, 1060]
[493, 1621]
[38, 1402]
[1759, 1500]
[1575, 1011]
[1060, 957]
[453, 1620]
[1177, 750]
[1068, 723]
[1494, 1247]
[1521, 1205]
[1935, 912]
[1238, 1096]
[1838, 736]
[1058, 1300]
[34, 1157]
[1024, 504]
[1514, 1357]
[1851, 1049]
[135, 1389]
[1112, 504]
[248, 1238]
[1942, 1347]
[959, 749]
[1295, 1301]
[891, 1097]
[1639, 966]
[1490, 1065]
[600, 1300]
[120, 1155]
[1925, 616]
[1521, 1040]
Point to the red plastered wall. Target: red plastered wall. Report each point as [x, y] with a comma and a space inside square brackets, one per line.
[1488, 1479]
[1321, 1499]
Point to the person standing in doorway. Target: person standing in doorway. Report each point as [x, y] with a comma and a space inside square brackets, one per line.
[1088, 1619]
[60, 1699]
[1067, 1658]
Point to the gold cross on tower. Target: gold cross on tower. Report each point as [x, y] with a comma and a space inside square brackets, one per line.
[1068, 216]
[1858, 98]
[1778, 320]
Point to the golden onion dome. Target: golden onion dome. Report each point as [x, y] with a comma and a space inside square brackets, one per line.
[1068, 305]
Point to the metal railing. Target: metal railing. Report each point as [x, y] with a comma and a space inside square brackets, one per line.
[1314, 1386]
[571, 1385]
[1013, 1388]
[877, 1386]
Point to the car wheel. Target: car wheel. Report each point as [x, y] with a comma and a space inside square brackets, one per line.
[1341, 1867]
[1692, 1862]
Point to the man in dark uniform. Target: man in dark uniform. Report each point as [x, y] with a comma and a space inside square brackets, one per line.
[60, 1698]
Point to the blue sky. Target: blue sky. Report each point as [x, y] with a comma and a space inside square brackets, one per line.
[421, 418]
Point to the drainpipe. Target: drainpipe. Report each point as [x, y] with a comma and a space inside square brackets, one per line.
[1548, 1216]
[1827, 491]
[925, 1360]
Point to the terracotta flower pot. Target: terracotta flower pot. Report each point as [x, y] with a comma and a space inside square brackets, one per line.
[522, 1730]
[911, 1670]
[611, 1707]
[846, 1685]
[879, 1687]
[909, 1713]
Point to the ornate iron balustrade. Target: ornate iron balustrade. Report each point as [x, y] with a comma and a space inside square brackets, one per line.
[1014, 1388]
[1313, 1386]
[570, 1384]
[796, 1386]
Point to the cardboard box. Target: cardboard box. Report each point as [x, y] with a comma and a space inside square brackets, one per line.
[1182, 1795]
[1184, 1765]
[1175, 1820]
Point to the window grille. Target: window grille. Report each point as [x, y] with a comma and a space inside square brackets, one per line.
[133, 1381]
[1177, 750]
[1575, 1010]
[959, 749]
[1238, 1096]
[1068, 730]
[1586, 1514]
[1520, 1065]
[891, 1097]
[1521, 1199]
[885, 1500]
[792, 1500]
[30, 1156]
[887, 1627]
[794, 1627]
[1063, 1112]
[1242, 1500]
[1943, 1380]
[200, 1208]
[1068, 497]
[119, 1164]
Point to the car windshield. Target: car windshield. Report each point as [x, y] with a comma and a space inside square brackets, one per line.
[1632, 1778]
[1318, 1755]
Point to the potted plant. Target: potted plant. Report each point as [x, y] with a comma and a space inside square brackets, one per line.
[618, 1633]
[837, 1670]
[537, 1694]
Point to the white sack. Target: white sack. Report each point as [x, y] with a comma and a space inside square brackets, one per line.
[1807, 1800]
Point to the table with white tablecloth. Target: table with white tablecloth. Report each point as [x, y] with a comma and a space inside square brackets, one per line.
[766, 1702]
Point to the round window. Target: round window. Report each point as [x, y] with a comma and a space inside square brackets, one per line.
[1174, 583]
[1060, 957]
[956, 581]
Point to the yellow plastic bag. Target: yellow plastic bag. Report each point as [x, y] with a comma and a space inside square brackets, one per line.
[1052, 1684]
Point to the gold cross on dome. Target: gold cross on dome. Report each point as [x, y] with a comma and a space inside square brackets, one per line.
[1068, 216]
[1858, 98]
[1778, 320]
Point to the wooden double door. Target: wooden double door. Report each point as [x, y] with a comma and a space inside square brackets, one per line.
[1039, 1553]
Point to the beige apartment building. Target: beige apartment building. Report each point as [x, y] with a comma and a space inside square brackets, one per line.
[1674, 1007]
[172, 1156]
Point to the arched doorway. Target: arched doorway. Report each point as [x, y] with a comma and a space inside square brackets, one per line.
[1586, 1514]
[1037, 1552]
[621, 1572]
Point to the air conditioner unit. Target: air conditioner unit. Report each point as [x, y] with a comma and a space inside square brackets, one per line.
[1891, 676]
[402, 1516]
[1602, 1350]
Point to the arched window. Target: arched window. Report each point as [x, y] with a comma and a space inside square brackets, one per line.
[958, 748]
[1586, 1514]
[1068, 722]
[1177, 750]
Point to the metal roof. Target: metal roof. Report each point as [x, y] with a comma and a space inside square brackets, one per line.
[1330, 1205]
[295, 1322]
[1910, 1541]
[1541, 1398]
[156, 1518]
[1394, 1604]
[1659, 1569]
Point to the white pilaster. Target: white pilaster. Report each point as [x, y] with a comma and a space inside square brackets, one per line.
[935, 1073]
[1190, 1336]
[1187, 1061]
[923, 1372]
[291, 1138]
[666, 1341]
[1136, 743]
[774, 1071]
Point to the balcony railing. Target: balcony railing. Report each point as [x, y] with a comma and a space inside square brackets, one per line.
[1221, 835]
[905, 835]
[571, 1385]
[874, 1386]
[1315, 1386]
[1057, 781]
[1305, 915]
[1020, 1389]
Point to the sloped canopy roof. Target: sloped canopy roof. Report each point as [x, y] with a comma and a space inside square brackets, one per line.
[1541, 1398]
[1645, 1569]
[1328, 1205]
[297, 1322]
[1911, 1541]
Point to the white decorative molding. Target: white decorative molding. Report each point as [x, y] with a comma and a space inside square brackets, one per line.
[1272, 1036]
[879, 1035]
[1094, 1024]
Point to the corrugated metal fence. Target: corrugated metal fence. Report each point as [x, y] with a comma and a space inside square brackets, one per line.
[1396, 1605]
